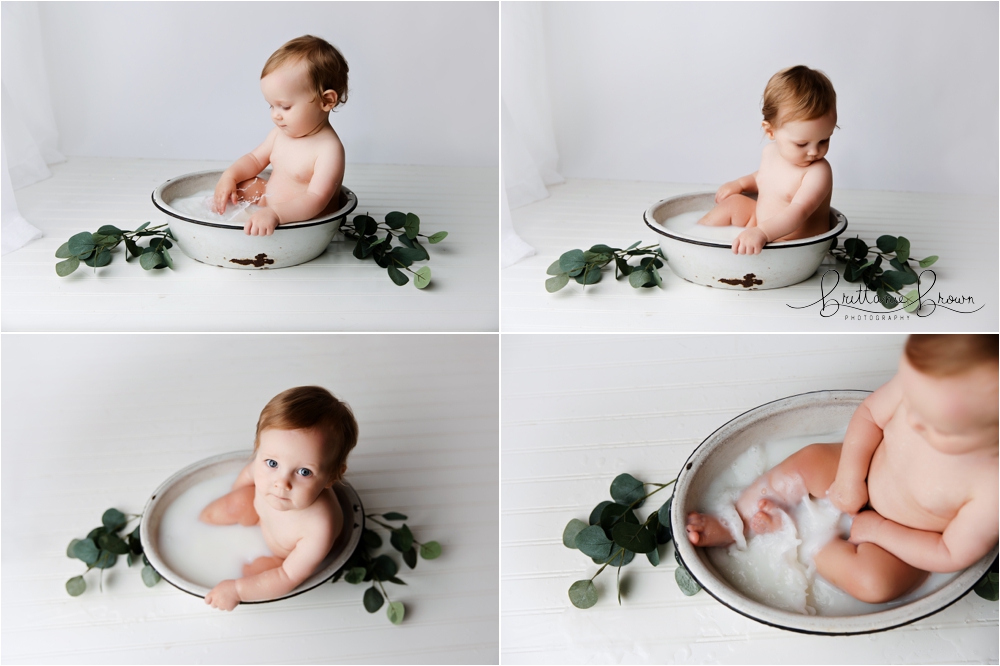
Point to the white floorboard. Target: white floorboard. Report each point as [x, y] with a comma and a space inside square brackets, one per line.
[962, 230]
[579, 410]
[95, 421]
[334, 292]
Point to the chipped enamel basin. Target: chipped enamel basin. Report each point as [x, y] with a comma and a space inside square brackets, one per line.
[232, 463]
[713, 264]
[227, 245]
[817, 413]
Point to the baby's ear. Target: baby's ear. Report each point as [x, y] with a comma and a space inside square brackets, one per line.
[768, 130]
[329, 99]
[338, 475]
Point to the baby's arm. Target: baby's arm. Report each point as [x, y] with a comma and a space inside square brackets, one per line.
[849, 491]
[328, 173]
[744, 184]
[246, 167]
[816, 184]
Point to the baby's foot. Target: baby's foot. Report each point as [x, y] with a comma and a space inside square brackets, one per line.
[769, 517]
[705, 531]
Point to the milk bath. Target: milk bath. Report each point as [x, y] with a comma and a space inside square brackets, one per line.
[777, 569]
[686, 224]
[207, 554]
[199, 206]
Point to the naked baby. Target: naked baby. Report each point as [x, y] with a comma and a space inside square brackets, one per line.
[918, 470]
[794, 183]
[302, 82]
[303, 437]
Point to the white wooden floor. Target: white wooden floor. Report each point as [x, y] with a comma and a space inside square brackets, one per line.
[94, 421]
[580, 213]
[579, 410]
[334, 292]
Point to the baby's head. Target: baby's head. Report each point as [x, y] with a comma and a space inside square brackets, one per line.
[950, 390]
[800, 113]
[303, 81]
[303, 438]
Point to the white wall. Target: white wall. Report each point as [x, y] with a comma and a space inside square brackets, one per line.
[181, 80]
[671, 91]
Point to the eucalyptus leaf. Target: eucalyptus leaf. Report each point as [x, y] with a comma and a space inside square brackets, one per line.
[614, 513]
[355, 575]
[591, 275]
[626, 489]
[595, 515]
[553, 268]
[689, 586]
[902, 249]
[410, 557]
[912, 301]
[76, 586]
[86, 550]
[402, 540]
[435, 238]
[394, 515]
[422, 277]
[573, 527]
[81, 243]
[412, 226]
[113, 520]
[639, 278]
[63, 251]
[593, 542]
[552, 285]
[396, 275]
[572, 261]
[621, 558]
[654, 557]
[69, 549]
[583, 593]
[395, 612]
[395, 219]
[430, 550]
[637, 538]
[886, 244]
[372, 600]
[385, 567]
[67, 266]
[928, 262]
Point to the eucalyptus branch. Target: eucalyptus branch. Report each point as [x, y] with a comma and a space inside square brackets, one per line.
[101, 548]
[401, 227]
[94, 249]
[585, 267]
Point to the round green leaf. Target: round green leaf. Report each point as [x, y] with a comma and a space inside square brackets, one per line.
[149, 576]
[572, 261]
[437, 238]
[573, 528]
[689, 586]
[106, 560]
[371, 538]
[402, 540]
[620, 558]
[924, 263]
[430, 550]
[385, 567]
[654, 557]
[149, 260]
[553, 268]
[81, 243]
[554, 284]
[614, 513]
[394, 515]
[410, 557]
[355, 575]
[422, 277]
[636, 538]
[593, 542]
[663, 516]
[372, 600]
[395, 612]
[412, 226]
[114, 520]
[626, 489]
[86, 550]
[902, 249]
[595, 515]
[591, 275]
[583, 593]
[63, 251]
[886, 243]
[639, 277]
[69, 548]
[67, 266]
[396, 275]
[395, 219]
[76, 586]
[912, 301]
[113, 544]
[110, 230]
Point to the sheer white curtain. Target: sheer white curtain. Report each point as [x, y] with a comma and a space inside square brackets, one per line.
[528, 143]
[28, 124]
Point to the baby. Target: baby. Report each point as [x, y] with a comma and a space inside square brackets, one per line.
[926, 443]
[303, 437]
[302, 82]
[794, 182]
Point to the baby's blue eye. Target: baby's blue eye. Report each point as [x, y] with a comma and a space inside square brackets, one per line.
[305, 472]
[271, 463]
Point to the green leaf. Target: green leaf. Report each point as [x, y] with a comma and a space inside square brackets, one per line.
[636, 538]
[396, 275]
[896, 279]
[130, 560]
[573, 528]
[395, 612]
[654, 557]
[69, 549]
[167, 259]
[621, 558]
[554, 284]
[430, 550]
[623, 266]
[412, 226]
[384, 567]
[434, 239]
[81, 243]
[410, 557]
[422, 277]
[886, 243]
[67, 266]
[633, 246]
[106, 560]
[639, 278]
[583, 593]
[986, 587]
[595, 515]
[63, 251]
[856, 248]
[902, 249]
[113, 520]
[613, 513]
[141, 227]
[887, 301]
[572, 261]
[397, 581]
[395, 219]
[911, 300]
[394, 515]
[626, 489]
[657, 280]
[689, 586]
[593, 542]
[553, 268]
[149, 260]
[407, 254]
[76, 586]
[113, 544]
[372, 600]
[149, 576]
[402, 540]
[133, 247]
[86, 550]
[591, 275]
[110, 230]
[355, 575]
[924, 263]
[663, 513]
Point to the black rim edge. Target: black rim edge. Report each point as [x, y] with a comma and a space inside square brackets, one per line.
[353, 203]
[823, 238]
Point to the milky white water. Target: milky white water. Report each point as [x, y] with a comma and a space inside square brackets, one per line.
[207, 554]
[686, 224]
[199, 206]
[777, 569]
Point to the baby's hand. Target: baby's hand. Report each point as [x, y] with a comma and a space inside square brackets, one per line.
[261, 223]
[225, 191]
[864, 527]
[224, 596]
[728, 189]
[848, 497]
[750, 241]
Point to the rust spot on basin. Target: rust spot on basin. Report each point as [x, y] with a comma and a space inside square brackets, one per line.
[748, 280]
[257, 261]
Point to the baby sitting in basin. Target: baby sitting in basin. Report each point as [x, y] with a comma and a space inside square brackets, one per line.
[794, 182]
[302, 82]
[303, 437]
[919, 456]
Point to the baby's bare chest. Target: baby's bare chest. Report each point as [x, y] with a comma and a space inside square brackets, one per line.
[293, 163]
[778, 181]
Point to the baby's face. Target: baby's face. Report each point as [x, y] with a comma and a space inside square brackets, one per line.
[295, 108]
[802, 142]
[955, 415]
[288, 471]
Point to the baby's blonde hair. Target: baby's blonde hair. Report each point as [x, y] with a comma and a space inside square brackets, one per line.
[327, 67]
[307, 407]
[798, 93]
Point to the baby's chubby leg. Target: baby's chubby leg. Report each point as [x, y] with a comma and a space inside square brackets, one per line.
[763, 505]
[252, 190]
[867, 572]
[235, 507]
[737, 210]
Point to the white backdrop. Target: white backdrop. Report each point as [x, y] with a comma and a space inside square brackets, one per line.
[181, 80]
[671, 91]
